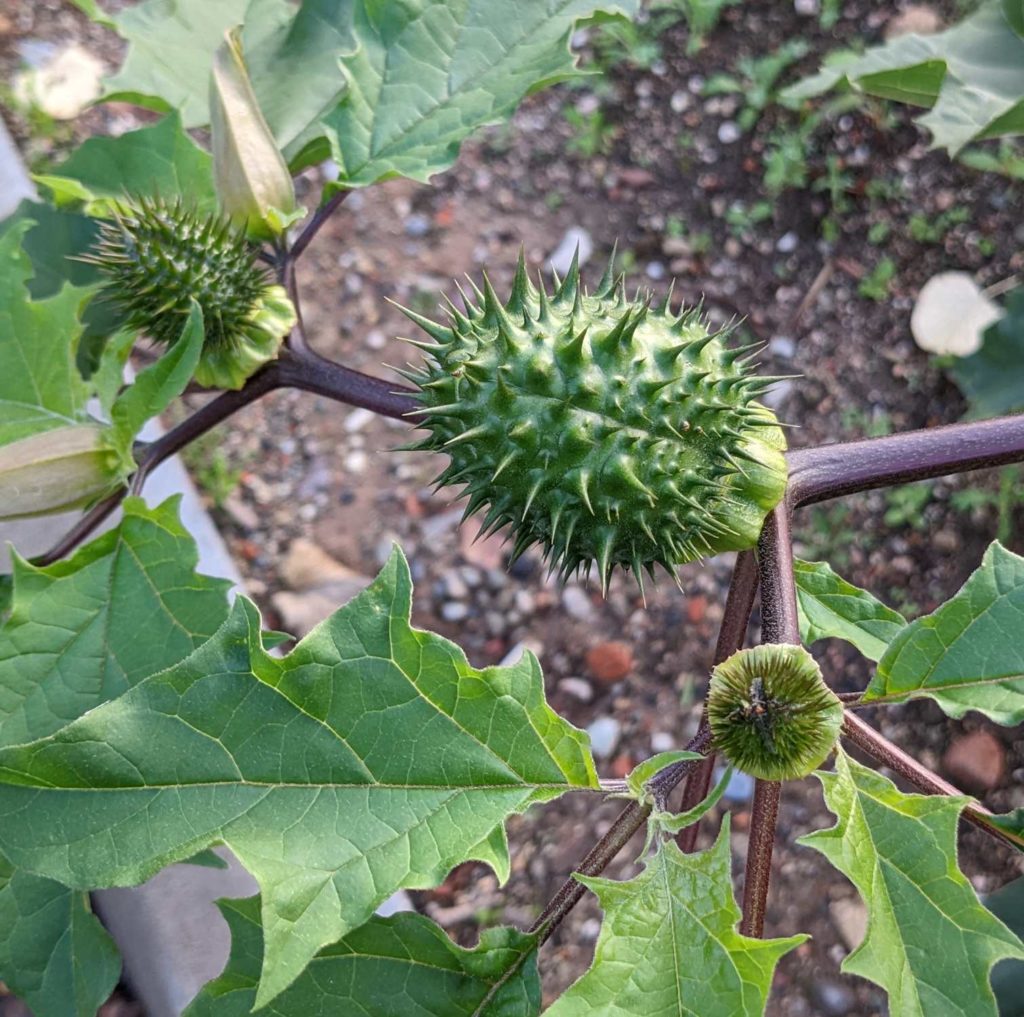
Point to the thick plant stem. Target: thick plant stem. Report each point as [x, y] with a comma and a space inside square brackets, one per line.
[738, 605]
[876, 745]
[618, 836]
[763, 817]
[831, 471]
[310, 372]
[152, 455]
[779, 624]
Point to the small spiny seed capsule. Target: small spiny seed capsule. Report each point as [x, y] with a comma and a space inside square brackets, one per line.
[607, 432]
[157, 258]
[771, 713]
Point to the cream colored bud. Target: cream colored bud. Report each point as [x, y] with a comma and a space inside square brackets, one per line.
[252, 179]
[58, 470]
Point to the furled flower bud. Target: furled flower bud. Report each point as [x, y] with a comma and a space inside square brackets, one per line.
[771, 712]
[252, 179]
[57, 470]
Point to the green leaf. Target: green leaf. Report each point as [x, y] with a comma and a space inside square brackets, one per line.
[84, 630]
[1007, 904]
[53, 241]
[429, 72]
[992, 379]
[170, 50]
[830, 607]
[277, 39]
[971, 75]
[155, 387]
[388, 967]
[669, 944]
[54, 953]
[673, 822]
[967, 654]
[372, 757]
[930, 943]
[158, 160]
[1011, 823]
[643, 772]
[40, 387]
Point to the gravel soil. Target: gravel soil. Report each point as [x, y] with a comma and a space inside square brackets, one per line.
[672, 178]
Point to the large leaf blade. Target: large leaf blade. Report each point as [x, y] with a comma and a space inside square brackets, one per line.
[930, 943]
[429, 72]
[971, 75]
[72, 640]
[40, 387]
[399, 965]
[368, 723]
[967, 654]
[158, 160]
[830, 607]
[669, 945]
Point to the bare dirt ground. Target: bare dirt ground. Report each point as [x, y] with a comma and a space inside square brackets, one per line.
[668, 178]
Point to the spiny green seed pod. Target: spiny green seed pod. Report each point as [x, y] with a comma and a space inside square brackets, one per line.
[771, 712]
[67, 468]
[157, 257]
[604, 430]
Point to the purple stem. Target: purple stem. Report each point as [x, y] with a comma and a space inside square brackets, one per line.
[831, 471]
[731, 635]
[779, 624]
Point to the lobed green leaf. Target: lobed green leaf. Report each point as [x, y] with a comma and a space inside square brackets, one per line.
[930, 943]
[967, 654]
[830, 607]
[971, 75]
[669, 945]
[402, 965]
[372, 757]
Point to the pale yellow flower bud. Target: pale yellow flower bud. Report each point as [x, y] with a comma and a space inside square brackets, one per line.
[58, 470]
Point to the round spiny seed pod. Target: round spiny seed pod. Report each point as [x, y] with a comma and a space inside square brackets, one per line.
[603, 430]
[771, 713]
[157, 258]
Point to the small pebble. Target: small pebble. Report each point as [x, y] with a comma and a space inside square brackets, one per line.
[783, 347]
[561, 257]
[578, 688]
[604, 736]
[577, 603]
[358, 419]
[417, 225]
[662, 741]
[454, 611]
[740, 787]
[787, 243]
[729, 132]
[355, 462]
[455, 587]
[610, 661]
[656, 270]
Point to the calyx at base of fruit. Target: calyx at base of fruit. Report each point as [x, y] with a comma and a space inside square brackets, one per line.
[157, 258]
[771, 713]
[604, 430]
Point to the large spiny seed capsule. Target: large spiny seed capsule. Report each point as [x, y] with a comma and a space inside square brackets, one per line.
[157, 258]
[604, 430]
[771, 712]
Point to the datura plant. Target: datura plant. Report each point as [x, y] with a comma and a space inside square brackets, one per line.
[146, 716]
[605, 430]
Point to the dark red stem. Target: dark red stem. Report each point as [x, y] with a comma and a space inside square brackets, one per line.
[779, 624]
[731, 636]
[319, 217]
[831, 471]
[876, 745]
